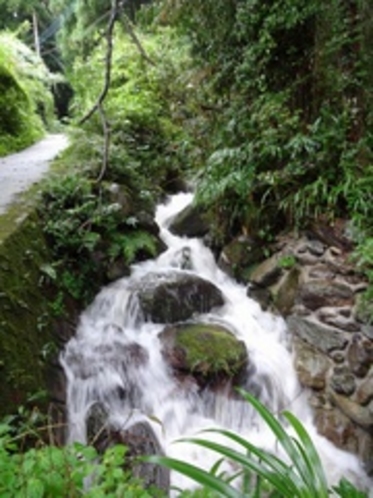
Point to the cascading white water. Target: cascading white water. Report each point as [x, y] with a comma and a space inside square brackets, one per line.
[115, 359]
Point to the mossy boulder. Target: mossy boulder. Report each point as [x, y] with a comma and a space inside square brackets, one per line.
[207, 351]
[25, 332]
[176, 296]
[240, 256]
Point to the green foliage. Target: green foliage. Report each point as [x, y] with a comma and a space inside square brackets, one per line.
[299, 475]
[292, 139]
[87, 231]
[25, 100]
[147, 144]
[75, 470]
[287, 262]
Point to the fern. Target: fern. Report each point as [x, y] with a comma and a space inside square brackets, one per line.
[130, 245]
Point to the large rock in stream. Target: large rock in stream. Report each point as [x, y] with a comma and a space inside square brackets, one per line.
[176, 296]
[208, 352]
[139, 439]
[190, 222]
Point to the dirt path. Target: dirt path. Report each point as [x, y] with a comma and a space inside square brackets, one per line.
[21, 170]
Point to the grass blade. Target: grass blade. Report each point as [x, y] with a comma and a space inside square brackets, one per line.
[316, 473]
[280, 480]
[283, 438]
[198, 475]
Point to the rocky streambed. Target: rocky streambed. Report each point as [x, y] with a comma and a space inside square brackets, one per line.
[311, 280]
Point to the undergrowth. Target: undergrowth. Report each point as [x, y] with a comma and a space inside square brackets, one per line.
[89, 230]
[26, 103]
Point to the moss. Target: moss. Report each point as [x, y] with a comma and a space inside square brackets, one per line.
[24, 330]
[211, 349]
[19, 125]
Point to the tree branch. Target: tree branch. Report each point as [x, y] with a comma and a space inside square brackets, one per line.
[136, 41]
[107, 134]
[108, 62]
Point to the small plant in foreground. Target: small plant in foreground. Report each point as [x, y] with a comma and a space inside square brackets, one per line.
[72, 471]
[302, 476]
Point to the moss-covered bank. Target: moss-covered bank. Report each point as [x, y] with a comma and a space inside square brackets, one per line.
[24, 330]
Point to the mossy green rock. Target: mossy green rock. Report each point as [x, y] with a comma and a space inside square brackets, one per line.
[204, 350]
[24, 324]
[240, 256]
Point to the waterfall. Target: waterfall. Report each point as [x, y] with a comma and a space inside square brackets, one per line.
[115, 359]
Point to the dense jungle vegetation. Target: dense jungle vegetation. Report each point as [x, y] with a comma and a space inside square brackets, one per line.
[265, 107]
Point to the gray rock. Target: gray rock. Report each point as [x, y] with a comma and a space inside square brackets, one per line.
[337, 427]
[321, 293]
[367, 330]
[260, 295]
[359, 414]
[315, 247]
[176, 296]
[190, 222]
[141, 440]
[331, 316]
[342, 381]
[267, 273]
[320, 336]
[364, 393]
[311, 365]
[360, 355]
[338, 356]
[97, 428]
[239, 256]
[286, 290]
[321, 272]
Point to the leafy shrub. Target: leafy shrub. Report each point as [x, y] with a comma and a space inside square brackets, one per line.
[75, 470]
[26, 103]
[140, 106]
[87, 231]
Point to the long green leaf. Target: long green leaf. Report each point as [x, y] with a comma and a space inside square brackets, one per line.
[271, 460]
[279, 480]
[310, 456]
[283, 437]
[198, 475]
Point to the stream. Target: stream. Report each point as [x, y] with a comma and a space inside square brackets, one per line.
[101, 367]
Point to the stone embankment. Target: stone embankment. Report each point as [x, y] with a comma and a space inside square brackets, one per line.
[312, 282]
[26, 339]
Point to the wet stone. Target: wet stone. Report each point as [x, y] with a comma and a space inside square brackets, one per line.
[321, 293]
[311, 365]
[261, 295]
[338, 356]
[343, 381]
[267, 273]
[359, 414]
[364, 393]
[331, 317]
[315, 247]
[360, 355]
[337, 427]
[367, 330]
[321, 271]
[322, 337]
[286, 290]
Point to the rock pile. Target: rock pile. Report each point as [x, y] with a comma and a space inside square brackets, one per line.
[313, 284]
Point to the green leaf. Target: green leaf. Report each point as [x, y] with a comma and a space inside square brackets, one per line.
[199, 475]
